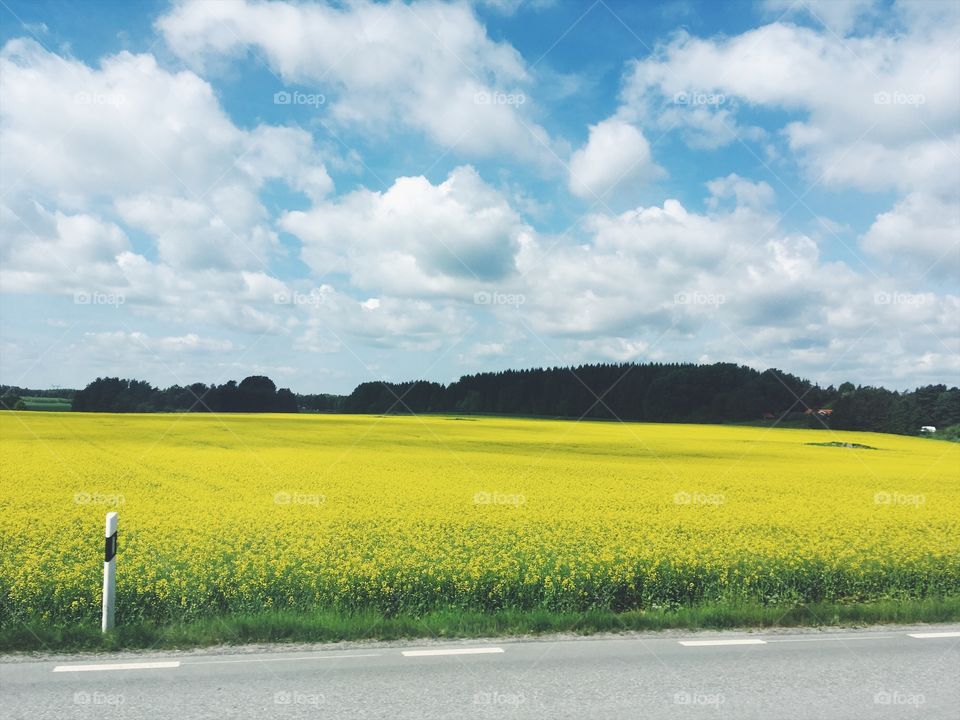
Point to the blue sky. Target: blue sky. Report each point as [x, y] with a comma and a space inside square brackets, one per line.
[336, 193]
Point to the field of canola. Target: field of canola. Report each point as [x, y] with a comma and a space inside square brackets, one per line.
[222, 514]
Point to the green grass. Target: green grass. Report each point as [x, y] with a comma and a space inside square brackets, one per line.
[52, 404]
[331, 627]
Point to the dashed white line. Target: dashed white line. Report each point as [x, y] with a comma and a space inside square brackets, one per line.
[924, 636]
[705, 643]
[835, 639]
[452, 651]
[281, 659]
[118, 666]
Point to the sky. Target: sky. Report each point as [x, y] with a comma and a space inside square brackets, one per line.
[331, 193]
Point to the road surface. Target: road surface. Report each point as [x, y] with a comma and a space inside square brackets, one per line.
[857, 674]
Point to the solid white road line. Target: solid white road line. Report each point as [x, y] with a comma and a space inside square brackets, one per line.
[118, 666]
[705, 643]
[452, 651]
[835, 639]
[282, 659]
[934, 635]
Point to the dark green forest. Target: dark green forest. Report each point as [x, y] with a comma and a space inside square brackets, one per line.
[654, 392]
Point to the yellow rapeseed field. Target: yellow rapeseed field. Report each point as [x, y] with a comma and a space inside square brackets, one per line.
[247, 512]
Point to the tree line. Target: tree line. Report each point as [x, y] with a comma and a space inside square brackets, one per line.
[650, 392]
[256, 393]
[11, 396]
[665, 392]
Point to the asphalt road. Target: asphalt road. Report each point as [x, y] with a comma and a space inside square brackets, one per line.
[856, 674]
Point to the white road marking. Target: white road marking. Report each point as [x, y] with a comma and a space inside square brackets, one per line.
[934, 635]
[282, 659]
[118, 666]
[452, 651]
[704, 643]
[821, 639]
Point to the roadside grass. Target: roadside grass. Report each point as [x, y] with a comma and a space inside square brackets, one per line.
[50, 404]
[325, 626]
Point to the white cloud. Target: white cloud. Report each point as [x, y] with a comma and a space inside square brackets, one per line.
[744, 192]
[415, 238]
[877, 111]
[427, 65]
[141, 343]
[839, 16]
[616, 155]
[52, 251]
[340, 323]
[154, 147]
[921, 231]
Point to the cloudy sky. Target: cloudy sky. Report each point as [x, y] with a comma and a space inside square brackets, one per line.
[332, 193]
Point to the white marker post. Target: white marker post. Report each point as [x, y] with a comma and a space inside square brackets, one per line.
[109, 572]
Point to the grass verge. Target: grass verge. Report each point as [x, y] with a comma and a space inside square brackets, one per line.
[325, 626]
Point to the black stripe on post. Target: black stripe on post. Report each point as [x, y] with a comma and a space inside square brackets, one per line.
[110, 550]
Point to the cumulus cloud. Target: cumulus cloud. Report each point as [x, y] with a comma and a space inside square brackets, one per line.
[44, 250]
[921, 231]
[415, 238]
[152, 146]
[878, 111]
[839, 16]
[616, 155]
[427, 65]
